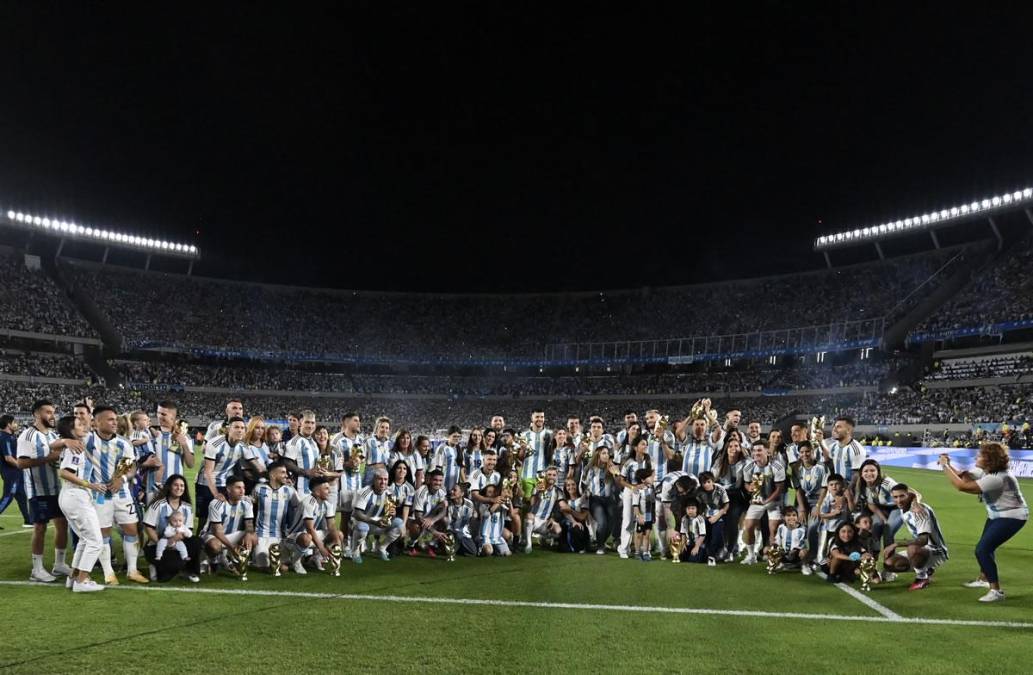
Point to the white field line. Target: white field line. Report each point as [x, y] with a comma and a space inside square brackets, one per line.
[549, 605]
[21, 530]
[866, 600]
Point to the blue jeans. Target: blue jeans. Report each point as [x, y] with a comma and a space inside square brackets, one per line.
[995, 532]
[603, 514]
[14, 491]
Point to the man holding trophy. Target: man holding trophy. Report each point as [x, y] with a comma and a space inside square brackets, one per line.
[764, 477]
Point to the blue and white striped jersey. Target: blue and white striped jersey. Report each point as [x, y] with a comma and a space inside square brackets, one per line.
[426, 500]
[545, 502]
[413, 460]
[632, 466]
[447, 459]
[846, 458]
[402, 493]
[371, 503]
[170, 454]
[378, 451]
[534, 458]
[157, 514]
[492, 524]
[225, 456]
[773, 472]
[40, 481]
[693, 528]
[304, 452]
[459, 516]
[105, 455]
[597, 482]
[316, 510]
[925, 523]
[232, 517]
[346, 443]
[351, 479]
[81, 465]
[1002, 496]
[562, 458]
[479, 481]
[791, 539]
[666, 489]
[713, 501]
[259, 454]
[810, 481]
[879, 494]
[656, 453]
[472, 460]
[271, 507]
[697, 456]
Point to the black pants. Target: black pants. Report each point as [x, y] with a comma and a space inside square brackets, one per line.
[171, 562]
[204, 500]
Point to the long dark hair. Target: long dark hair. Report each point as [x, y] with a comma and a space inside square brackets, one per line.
[166, 490]
[66, 427]
[721, 461]
[394, 467]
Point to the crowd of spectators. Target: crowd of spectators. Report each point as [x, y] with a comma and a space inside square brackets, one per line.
[31, 301]
[970, 405]
[1003, 294]
[206, 313]
[35, 364]
[147, 374]
[1003, 366]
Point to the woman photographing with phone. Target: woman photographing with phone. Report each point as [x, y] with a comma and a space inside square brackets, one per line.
[1006, 509]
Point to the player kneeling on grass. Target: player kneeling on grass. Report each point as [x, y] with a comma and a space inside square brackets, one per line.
[460, 514]
[539, 517]
[316, 530]
[715, 503]
[273, 500]
[791, 539]
[231, 523]
[845, 555]
[926, 551]
[493, 519]
[367, 514]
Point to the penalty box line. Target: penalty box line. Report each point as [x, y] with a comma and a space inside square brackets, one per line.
[358, 597]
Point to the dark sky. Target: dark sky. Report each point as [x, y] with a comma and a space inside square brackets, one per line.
[490, 147]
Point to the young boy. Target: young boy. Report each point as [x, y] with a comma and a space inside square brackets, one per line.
[694, 529]
[792, 539]
[715, 503]
[493, 518]
[833, 512]
[644, 510]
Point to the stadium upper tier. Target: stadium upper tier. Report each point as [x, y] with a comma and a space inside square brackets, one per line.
[30, 301]
[159, 310]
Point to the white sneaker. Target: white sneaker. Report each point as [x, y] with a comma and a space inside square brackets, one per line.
[711, 562]
[623, 556]
[298, 567]
[805, 569]
[977, 583]
[346, 553]
[61, 570]
[69, 581]
[384, 555]
[992, 596]
[88, 586]
[527, 546]
[600, 552]
[750, 559]
[153, 572]
[888, 577]
[42, 576]
[319, 564]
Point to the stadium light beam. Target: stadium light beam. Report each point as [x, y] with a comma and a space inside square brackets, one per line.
[64, 228]
[925, 221]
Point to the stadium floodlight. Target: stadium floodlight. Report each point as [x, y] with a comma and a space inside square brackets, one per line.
[68, 228]
[926, 221]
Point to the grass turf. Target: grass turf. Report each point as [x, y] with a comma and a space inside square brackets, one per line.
[53, 631]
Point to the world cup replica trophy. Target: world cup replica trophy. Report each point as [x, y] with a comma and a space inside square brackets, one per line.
[773, 553]
[867, 572]
[240, 558]
[677, 545]
[275, 556]
[334, 562]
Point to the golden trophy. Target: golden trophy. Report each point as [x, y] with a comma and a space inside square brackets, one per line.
[275, 555]
[450, 547]
[774, 555]
[677, 545]
[698, 412]
[325, 462]
[357, 454]
[817, 425]
[390, 505]
[868, 573]
[756, 489]
[334, 561]
[661, 426]
[124, 467]
[539, 485]
[239, 558]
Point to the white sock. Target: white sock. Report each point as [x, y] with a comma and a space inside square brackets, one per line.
[132, 553]
[37, 562]
[105, 558]
[59, 557]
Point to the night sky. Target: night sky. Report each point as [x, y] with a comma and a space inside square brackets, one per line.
[484, 147]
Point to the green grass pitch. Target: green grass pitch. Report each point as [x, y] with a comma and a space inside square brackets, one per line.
[318, 623]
